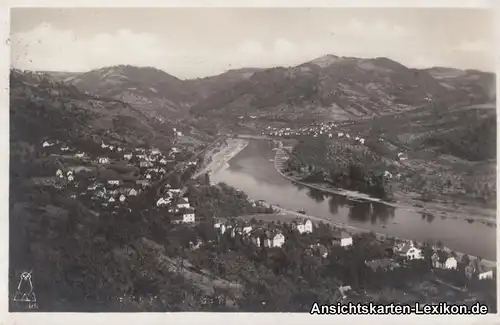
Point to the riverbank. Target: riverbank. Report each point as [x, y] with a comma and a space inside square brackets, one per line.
[280, 156]
[404, 200]
[219, 157]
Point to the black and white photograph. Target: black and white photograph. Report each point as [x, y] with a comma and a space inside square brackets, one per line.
[252, 160]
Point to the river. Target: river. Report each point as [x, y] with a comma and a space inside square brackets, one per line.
[252, 171]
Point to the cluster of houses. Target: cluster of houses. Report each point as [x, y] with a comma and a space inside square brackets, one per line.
[440, 259]
[107, 191]
[272, 236]
[176, 204]
[325, 128]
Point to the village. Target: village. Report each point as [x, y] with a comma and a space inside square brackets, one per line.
[336, 149]
[115, 177]
[92, 182]
[397, 253]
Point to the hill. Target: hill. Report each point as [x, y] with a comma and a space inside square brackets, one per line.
[329, 87]
[52, 109]
[476, 83]
[153, 91]
[334, 87]
[208, 86]
[150, 90]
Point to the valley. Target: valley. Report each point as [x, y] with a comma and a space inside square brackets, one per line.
[196, 233]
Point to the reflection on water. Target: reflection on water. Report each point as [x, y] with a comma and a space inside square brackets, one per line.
[316, 195]
[427, 216]
[253, 172]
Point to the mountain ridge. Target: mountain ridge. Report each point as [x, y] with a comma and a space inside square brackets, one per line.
[327, 87]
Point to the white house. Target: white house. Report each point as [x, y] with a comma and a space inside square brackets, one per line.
[46, 144]
[122, 198]
[162, 202]
[103, 145]
[247, 229]
[59, 173]
[356, 138]
[411, 252]
[155, 151]
[111, 148]
[71, 178]
[174, 190]
[401, 156]
[65, 148]
[387, 174]
[347, 136]
[341, 134]
[103, 160]
[128, 156]
[274, 240]
[451, 263]
[111, 199]
[148, 176]
[304, 226]
[183, 203]
[344, 290]
[475, 267]
[132, 192]
[486, 274]
[188, 217]
[114, 182]
[362, 141]
[345, 239]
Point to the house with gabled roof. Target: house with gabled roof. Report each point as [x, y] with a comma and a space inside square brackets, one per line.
[247, 229]
[409, 251]
[302, 225]
[188, 216]
[342, 238]
[46, 144]
[162, 202]
[274, 238]
[132, 192]
[183, 203]
[476, 268]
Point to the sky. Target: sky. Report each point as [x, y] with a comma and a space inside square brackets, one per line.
[199, 42]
